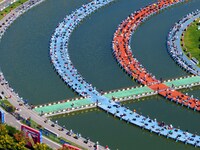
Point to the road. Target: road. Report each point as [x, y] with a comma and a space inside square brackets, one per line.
[6, 3]
[15, 100]
[11, 120]
[26, 112]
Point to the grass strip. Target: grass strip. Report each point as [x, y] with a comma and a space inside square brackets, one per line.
[11, 7]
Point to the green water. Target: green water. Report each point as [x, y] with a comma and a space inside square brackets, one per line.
[25, 62]
[149, 42]
[24, 50]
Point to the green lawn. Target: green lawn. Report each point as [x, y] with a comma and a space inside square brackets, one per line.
[192, 41]
[6, 102]
[11, 7]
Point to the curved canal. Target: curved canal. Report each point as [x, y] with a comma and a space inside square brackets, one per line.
[26, 65]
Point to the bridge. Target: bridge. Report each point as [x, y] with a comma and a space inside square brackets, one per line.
[174, 47]
[14, 98]
[125, 58]
[120, 95]
[121, 49]
[66, 70]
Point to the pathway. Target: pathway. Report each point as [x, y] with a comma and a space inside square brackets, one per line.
[124, 94]
[11, 120]
[64, 67]
[174, 46]
[14, 98]
[70, 75]
[123, 54]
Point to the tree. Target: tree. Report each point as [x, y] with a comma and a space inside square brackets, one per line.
[21, 141]
[19, 137]
[6, 142]
[12, 139]
[11, 130]
[41, 146]
[3, 130]
[20, 145]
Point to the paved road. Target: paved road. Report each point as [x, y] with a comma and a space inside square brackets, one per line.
[11, 120]
[6, 3]
[26, 112]
[15, 99]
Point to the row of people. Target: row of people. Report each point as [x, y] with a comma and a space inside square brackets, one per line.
[59, 49]
[152, 125]
[61, 61]
[124, 56]
[173, 43]
[4, 24]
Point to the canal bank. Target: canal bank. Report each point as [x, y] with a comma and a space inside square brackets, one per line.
[155, 105]
[98, 77]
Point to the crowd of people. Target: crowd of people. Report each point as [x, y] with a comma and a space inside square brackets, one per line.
[64, 67]
[4, 24]
[59, 53]
[174, 47]
[4, 83]
[59, 50]
[152, 125]
[123, 54]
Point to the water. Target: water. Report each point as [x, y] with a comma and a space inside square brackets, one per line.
[119, 135]
[153, 54]
[25, 62]
[26, 46]
[94, 49]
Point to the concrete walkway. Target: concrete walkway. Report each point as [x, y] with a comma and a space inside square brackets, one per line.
[14, 98]
[102, 102]
[12, 121]
[174, 43]
[26, 112]
[67, 106]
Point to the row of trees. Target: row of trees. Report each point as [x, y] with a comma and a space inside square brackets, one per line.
[12, 139]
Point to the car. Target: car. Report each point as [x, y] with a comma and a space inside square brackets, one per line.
[18, 109]
[86, 140]
[60, 129]
[69, 133]
[76, 137]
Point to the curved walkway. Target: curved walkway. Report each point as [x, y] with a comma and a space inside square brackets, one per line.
[174, 47]
[123, 54]
[59, 50]
[14, 98]
[64, 67]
